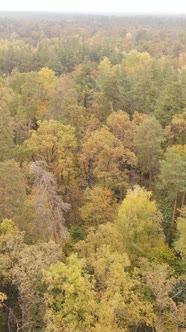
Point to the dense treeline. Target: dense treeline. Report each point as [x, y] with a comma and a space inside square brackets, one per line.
[92, 173]
[61, 42]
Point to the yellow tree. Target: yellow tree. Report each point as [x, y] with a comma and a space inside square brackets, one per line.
[104, 159]
[160, 286]
[176, 131]
[119, 304]
[120, 125]
[55, 144]
[47, 81]
[69, 297]
[139, 227]
[98, 207]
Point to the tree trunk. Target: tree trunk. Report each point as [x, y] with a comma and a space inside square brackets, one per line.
[183, 201]
[173, 217]
[29, 124]
[150, 177]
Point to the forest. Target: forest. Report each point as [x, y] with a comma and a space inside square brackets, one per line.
[92, 173]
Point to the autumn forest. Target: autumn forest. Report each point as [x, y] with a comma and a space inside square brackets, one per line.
[92, 173]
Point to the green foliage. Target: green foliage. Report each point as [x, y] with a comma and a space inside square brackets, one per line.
[12, 192]
[173, 171]
[171, 101]
[180, 243]
[7, 147]
[147, 140]
[77, 233]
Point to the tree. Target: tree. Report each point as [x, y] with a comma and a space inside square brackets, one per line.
[27, 275]
[49, 208]
[85, 83]
[139, 223]
[7, 147]
[180, 242]
[120, 307]
[176, 131]
[120, 125]
[98, 207]
[26, 85]
[147, 140]
[11, 242]
[114, 87]
[158, 283]
[47, 80]
[62, 98]
[21, 267]
[136, 62]
[69, 297]
[172, 180]
[171, 100]
[12, 192]
[55, 144]
[104, 159]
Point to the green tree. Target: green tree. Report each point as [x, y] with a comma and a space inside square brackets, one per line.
[180, 242]
[7, 147]
[172, 180]
[147, 140]
[171, 101]
[12, 192]
[26, 87]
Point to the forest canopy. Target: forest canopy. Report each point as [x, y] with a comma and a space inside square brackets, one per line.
[92, 173]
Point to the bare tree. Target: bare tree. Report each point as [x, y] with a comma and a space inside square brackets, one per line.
[49, 208]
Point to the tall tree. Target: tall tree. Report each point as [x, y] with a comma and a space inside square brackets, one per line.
[180, 242]
[147, 140]
[49, 208]
[12, 192]
[7, 146]
[172, 180]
